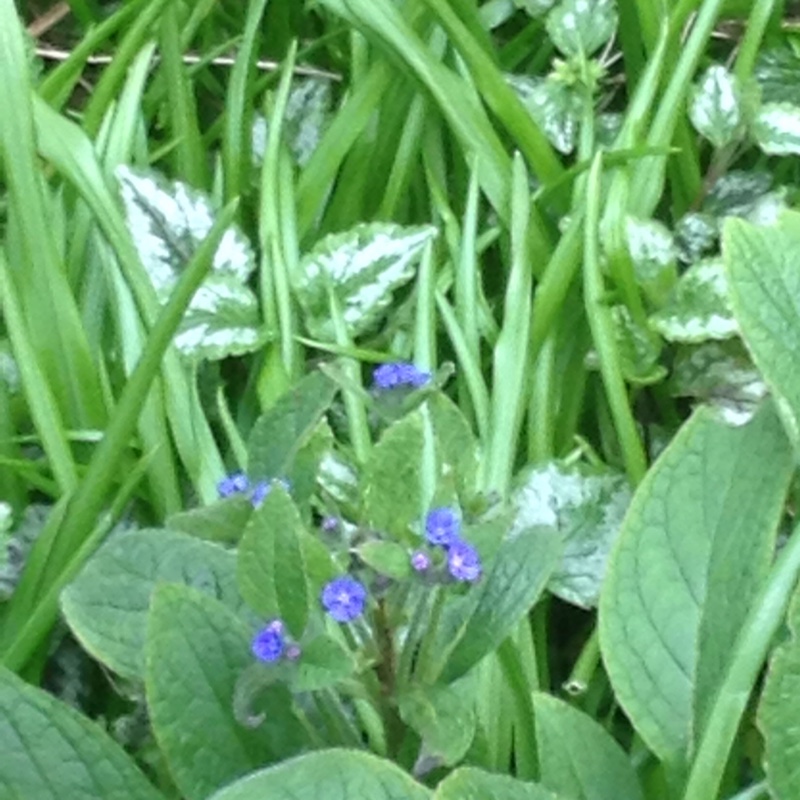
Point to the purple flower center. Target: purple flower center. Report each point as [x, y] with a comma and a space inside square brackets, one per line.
[420, 561]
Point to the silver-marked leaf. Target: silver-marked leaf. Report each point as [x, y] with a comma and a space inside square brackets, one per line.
[695, 549]
[582, 26]
[653, 252]
[722, 375]
[51, 752]
[639, 349]
[578, 758]
[746, 194]
[779, 710]
[716, 108]
[308, 110]
[696, 236]
[363, 267]
[555, 107]
[328, 775]
[168, 222]
[585, 507]
[699, 308]
[777, 72]
[106, 605]
[776, 129]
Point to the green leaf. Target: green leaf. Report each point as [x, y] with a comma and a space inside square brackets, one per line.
[721, 374]
[328, 774]
[386, 558]
[469, 783]
[392, 487]
[776, 129]
[695, 236]
[779, 710]
[304, 471]
[222, 522]
[455, 445]
[196, 649]
[363, 267]
[716, 106]
[555, 107]
[514, 582]
[695, 548]
[322, 664]
[580, 27]
[51, 752]
[168, 222]
[106, 605]
[536, 8]
[653, 252]
[638, 347]
[271, 562]
[577, 757]
[285, 429]
[764, 272]
[444, 717]
[585, 508]
[699, 308]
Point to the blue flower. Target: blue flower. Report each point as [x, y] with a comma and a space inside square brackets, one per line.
[442, 526]
[399, 373]
[420, 561]
[344, 599]
[260, 491]
[263, 488]
[463, 561]
[236, 483]
[269, 643]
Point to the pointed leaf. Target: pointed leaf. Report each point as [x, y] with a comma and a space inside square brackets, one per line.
[444, 717]
[222, 522]
[653, 252]
[392, 488]
[169, 221]
[764, 270]
[271, 564]
[555, 107]
[506, 593]
[779, 710]
[284, 430]
[716, 107]
[583, 506]
[777, 129]
[323, 663]
[196, 649]
[363, 267]
[581, 27]
[386, 558]
[577, 757]
[695, 548]
[699, 308]
[106, 605]
[51, 752]
[721, 374]
[329, 774]
[469, 783]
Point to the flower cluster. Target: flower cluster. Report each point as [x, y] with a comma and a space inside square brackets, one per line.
[270, 644]
[344, 599]
[239, 483]
[443, 529]
[397, 374]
